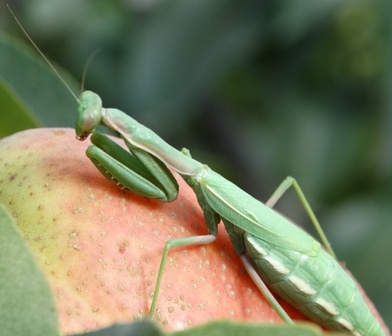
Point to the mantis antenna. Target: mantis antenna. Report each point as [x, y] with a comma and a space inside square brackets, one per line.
[43, 55]
[89, 60]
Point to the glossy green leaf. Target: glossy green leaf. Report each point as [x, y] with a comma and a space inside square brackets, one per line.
[27, 306]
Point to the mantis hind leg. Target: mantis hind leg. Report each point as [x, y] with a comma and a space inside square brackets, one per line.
[136, 170]
[283, 187]
[264, 289]
[238, 238]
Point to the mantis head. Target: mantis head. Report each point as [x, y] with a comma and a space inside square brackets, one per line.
[89, 114]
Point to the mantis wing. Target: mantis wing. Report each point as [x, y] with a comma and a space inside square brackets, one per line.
[252, 216]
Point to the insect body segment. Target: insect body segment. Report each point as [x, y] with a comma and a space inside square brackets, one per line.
[316, 285]
[243, 210]
[90, 114]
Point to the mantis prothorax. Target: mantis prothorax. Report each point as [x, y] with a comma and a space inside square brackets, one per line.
[274, 251]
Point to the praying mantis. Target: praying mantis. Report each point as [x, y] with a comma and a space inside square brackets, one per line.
[274, 251]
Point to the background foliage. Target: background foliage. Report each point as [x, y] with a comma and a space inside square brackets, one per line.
[257, 89]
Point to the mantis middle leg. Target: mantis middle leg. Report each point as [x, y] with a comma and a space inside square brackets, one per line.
[283, 187]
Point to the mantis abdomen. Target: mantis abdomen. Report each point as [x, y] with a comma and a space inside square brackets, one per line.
[316, 285]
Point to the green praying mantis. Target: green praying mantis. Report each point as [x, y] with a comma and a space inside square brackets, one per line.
[275, 252]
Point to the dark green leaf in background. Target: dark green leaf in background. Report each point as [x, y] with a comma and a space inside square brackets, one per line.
[31, 95]
[15, 116]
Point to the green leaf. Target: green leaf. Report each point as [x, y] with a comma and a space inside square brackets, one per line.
[217, 328]
[139, 328]
[31, 95]
[15, 116]
[224, 328]
[26, 303]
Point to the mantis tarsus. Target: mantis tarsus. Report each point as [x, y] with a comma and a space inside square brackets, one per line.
[272, 249]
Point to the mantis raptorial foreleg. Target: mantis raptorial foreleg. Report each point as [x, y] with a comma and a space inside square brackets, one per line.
[135, 170]
[278, 193]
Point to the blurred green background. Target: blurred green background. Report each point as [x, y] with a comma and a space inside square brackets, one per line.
[257, 89]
